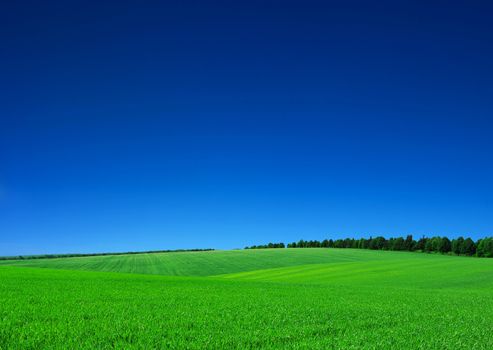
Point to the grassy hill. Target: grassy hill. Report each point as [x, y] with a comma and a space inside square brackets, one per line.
[210, 263]
[391, 270]
[268, 299]
[204, 263]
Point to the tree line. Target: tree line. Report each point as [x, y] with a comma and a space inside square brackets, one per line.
[458, 246]
[269, 245]
[55, 256]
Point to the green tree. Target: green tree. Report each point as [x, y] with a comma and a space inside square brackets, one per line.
[429, 245]
[399, 243]
[485, 247]
[409, 243]
[420, 244]
[469, 247]
[445, 245]
[457, 245]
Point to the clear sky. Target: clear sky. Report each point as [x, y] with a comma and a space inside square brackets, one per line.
[139, 125]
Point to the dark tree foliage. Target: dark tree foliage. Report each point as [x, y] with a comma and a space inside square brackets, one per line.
[485, 247]
[409, 243]
[378, 243]
[268, 246]
[436, 244]
[458, 245]
[421, 243]
[469, 247]
[398, 244]
[56, 256]
[445, 245]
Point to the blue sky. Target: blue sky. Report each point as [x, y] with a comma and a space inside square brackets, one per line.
[163, 125]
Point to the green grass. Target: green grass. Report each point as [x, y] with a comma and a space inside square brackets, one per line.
[202, 263]
[271, 299]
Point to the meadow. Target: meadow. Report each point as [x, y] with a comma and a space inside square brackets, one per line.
[248, 299]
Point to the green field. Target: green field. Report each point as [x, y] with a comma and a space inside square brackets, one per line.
[248, 299]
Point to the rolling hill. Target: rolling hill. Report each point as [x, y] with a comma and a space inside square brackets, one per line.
[253, 299]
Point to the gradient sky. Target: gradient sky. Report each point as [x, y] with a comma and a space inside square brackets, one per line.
[161, 125]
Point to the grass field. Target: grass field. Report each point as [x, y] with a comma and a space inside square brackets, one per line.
[272, 299]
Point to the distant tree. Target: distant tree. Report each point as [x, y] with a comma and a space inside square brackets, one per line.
[488, 247]
[445, 245]
[265, 246]
[364, 243]
[485, 247]
[390, 243]
[429, 245]
[469, 247]
[482, 248]
[377, 243]
[436, 244]
[409, 243]
[380, 243]
[360, 243]
[399, 243]
[420, 244]
[457, 245]
[339, 243]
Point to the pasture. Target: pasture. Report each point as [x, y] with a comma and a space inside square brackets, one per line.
[248, 299]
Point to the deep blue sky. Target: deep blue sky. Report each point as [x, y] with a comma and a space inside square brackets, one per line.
[162, 125]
